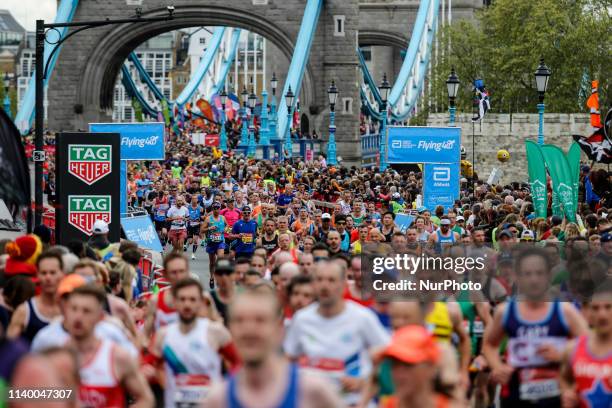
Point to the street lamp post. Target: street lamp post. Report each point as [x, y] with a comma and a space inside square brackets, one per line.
[264, 131]
[7, 100]
[244, 135]
[272, 125]
[332, 94]
[223, 134]
[252, 146]
[541, 76]
[289, 97]
[41, 73]
[384, 94]
[452, 85]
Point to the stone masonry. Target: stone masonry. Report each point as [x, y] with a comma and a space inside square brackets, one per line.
[505, 131]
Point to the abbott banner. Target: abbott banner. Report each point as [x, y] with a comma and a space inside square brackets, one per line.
[415, 144]
[441, 185]
[87, 174]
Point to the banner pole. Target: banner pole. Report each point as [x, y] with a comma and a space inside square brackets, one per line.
[473, 159]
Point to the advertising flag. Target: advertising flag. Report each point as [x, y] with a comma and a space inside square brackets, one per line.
[14, 171]
[561, 175]
[537, 178]
[573, 160]
[593, 105]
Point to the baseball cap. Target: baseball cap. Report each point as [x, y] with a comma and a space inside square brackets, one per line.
[505, 233]
[100, 227]
[396, 195]
[216, 205]
[413, 345]
[445, 221]
[606, 237]
[326, 216]
[527, 235]
[246, 208]
[460, 218]
[69, 283]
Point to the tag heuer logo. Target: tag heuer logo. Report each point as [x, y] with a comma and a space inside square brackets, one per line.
[89, 163]
[83, 211]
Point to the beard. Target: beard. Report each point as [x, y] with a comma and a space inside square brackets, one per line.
[188, 319]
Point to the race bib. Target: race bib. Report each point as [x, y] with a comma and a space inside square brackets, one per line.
[523, 352]
[194, 223]
[478, 328]
[247, 239]
[191, 388]
[538, 384]
[216, 237]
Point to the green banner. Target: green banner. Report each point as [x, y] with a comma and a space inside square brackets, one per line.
[537, 177]
[137, 110]
[561, 175]
[573, 159]
[165, 111]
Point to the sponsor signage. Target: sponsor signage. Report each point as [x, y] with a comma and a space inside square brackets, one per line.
[441, 185]
[139, 141]
[415, 144]
[142, 231]
[87, 174]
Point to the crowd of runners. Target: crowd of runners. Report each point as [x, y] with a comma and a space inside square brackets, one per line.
[288, 318]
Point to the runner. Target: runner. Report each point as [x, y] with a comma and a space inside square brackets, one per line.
[30, 317]
[108, 373]
[214, 228]
[269, 239]
[196, 213]
[537, 330]
[178, 215]
[192, 349]
[266, 379]
[160, 210]
[244, 232]
[333, 336]
[586, 367]
[443, 236]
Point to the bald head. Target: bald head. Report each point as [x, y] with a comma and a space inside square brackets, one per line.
[286, 272]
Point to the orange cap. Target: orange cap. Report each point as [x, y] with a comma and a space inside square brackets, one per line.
[70, 283]
[413, 344]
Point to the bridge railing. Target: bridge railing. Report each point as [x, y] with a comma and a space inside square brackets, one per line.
[369, 149]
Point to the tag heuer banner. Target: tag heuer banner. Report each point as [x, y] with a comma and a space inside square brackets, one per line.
[87, 175]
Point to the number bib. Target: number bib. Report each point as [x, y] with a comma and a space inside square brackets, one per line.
[215, 237]
[247, 239]
[191, 388]
[194, 223]
[538, 383]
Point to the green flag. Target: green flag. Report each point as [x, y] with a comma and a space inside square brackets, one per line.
[165, 111]
[537, 177]
[137, 110]
[561, 175]
[573, 159]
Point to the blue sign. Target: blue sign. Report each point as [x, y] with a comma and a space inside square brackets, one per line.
[415, 144]
[139, 141]
[403, 221]
[441, 185]
[142, 231]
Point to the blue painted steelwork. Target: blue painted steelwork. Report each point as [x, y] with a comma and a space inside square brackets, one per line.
[144, 76]
[414, 65]
[367, 77]
[132, 90]
[25, 115]
[227, 63]
[207, 60]
[264, 130]
[541, 107]
[331, 144]
[299, 60]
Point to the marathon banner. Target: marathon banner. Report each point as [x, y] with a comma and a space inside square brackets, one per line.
[142, 231]
[415, 144]
[441, 185]
[139, 141]
[87, 174]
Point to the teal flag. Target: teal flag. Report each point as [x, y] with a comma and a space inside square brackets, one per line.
[561, 175]
[573, 159]
[537, 177]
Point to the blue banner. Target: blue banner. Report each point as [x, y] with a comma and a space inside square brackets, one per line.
[403, 221]
[142, 231]
[423, 145]
[139, 141]
[441, 185]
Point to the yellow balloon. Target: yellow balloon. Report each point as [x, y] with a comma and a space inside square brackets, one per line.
[503, 155]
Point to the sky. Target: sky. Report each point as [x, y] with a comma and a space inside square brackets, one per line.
[26, 12]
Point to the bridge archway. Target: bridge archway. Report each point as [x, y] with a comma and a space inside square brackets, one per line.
[105, 60]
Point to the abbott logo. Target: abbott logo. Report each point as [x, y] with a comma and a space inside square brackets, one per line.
[441, 174]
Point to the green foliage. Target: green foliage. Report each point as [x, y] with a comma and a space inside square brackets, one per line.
[505, 43]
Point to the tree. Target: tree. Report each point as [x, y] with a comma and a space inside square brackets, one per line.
[505, 43]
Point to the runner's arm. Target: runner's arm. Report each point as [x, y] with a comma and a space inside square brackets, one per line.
[132, 379]
[17, 324]
[569, 396]
[465, 346]
[576, 323]
[150, 317]
[226, 347]
[493, 336]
